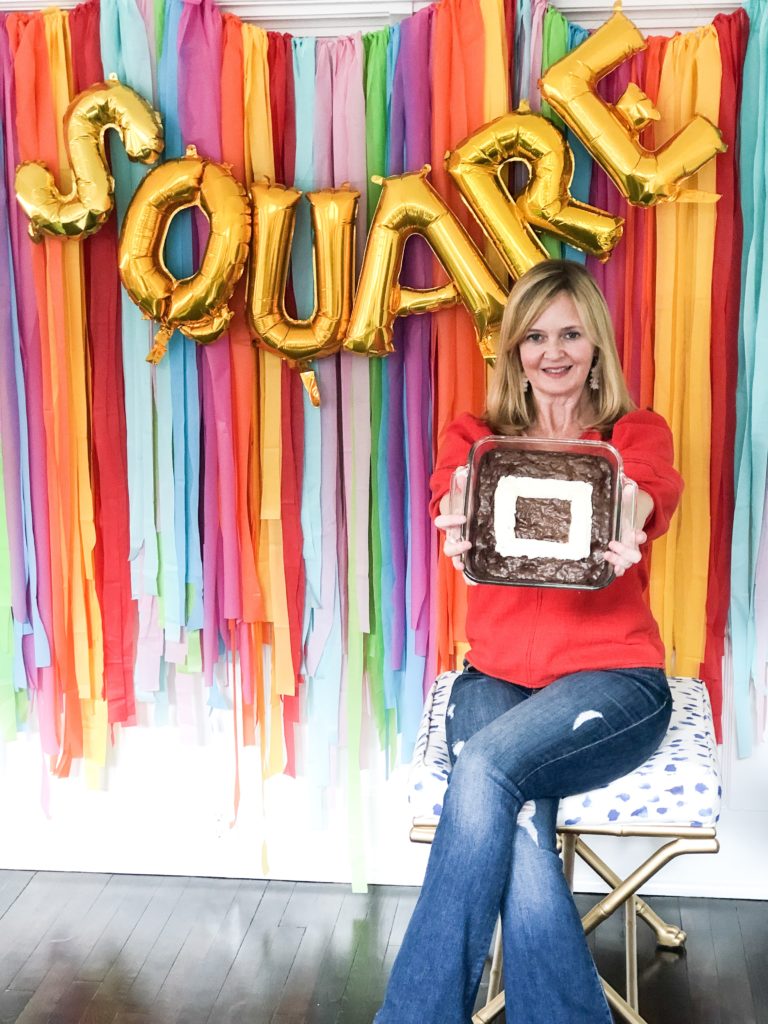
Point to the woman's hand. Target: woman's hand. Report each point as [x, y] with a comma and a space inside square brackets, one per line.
[623, 554]
[636, 507]
[450, 523]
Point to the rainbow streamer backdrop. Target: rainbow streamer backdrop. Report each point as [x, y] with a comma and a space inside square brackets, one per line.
[202, 520]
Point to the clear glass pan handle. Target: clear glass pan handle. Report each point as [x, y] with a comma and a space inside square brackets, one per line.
[457, 500]
[628, 505]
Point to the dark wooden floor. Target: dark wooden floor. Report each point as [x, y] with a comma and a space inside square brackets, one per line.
[117, 949]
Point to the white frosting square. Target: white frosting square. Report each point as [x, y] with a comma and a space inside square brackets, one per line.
[577, 492]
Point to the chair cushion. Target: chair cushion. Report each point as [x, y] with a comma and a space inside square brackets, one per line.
[677, 786]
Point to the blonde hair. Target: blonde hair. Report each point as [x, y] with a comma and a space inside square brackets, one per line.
[511, 409]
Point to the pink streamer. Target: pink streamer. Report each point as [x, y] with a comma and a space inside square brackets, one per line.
[537, 28]
[349, 165]
[326, 371]
[200, 46]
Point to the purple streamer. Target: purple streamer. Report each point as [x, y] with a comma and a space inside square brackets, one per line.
[412, 81]
[9, 430]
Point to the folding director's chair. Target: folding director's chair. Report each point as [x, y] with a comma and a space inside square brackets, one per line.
[674, 796]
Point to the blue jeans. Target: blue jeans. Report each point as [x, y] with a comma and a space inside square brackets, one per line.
[512, 744]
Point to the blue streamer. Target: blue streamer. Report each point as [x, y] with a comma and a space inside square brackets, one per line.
[582, 161]
[303, 286]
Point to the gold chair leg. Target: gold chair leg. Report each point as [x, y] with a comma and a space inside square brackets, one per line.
[630, 952]
[568, 849]
[491, 1010]
[494, 978]
[620, 1006]
[668, 936]
[629, 886]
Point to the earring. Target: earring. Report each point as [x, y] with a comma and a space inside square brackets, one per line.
[525, 383]
[594, 380]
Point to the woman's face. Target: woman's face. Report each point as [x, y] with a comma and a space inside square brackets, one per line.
[556, 352]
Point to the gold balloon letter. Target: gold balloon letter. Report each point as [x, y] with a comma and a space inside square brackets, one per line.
[333, 221]
[196, 305]
[91, 113]
[546, 201]
[408, 204]
[610, 133]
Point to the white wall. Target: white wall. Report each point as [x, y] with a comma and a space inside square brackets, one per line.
[167, 803]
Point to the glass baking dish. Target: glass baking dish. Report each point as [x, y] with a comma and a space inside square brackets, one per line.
[540, 512]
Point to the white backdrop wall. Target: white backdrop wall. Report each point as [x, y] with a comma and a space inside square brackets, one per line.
[164, 803]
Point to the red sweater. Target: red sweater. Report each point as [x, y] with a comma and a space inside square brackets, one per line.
[533, 635]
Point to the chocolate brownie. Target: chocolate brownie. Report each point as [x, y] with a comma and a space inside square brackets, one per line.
[536, 522]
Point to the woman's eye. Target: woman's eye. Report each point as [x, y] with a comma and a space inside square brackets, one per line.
[572, 335]
[534, 336]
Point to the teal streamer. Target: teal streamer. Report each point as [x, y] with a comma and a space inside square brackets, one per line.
[178, 417]
[582, 161]
[125, 52]
[751, 447]
[302, 274]
[393, 678]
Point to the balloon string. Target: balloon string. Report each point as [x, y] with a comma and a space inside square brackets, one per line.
[233, 649]
[160, 346]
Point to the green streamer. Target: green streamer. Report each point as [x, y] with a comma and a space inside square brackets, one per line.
[554, 45]
[194, 659]
[159, 17]
[356, 642]
[7, 694]
[375, 45]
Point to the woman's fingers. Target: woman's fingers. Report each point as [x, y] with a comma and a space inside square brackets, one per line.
[623, 556]
[455, 548]
[448, 519]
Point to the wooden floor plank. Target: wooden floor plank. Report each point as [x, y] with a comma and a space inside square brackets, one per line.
[753, 922]
[735, 993]
[315, 908]
[368, 976]
[701, 961]
[112, 994]
[162, 955]
[12, 884]
[256, 979]
[40, 903]
[207, 901]
[89, 949]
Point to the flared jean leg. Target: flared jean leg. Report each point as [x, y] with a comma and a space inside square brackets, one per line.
[551, 977]
[580, 732]
[437, 972]
[466, 875]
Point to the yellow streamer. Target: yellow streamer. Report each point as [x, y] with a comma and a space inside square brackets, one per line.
[68, 340]
[259, 163]
[690, 83]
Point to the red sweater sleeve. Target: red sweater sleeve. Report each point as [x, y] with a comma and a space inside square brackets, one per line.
[645, 443]
[453, 451]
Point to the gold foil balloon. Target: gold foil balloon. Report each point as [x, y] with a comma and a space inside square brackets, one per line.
[91, 113]
[544, 203]
[196, 305]
[333, 221]
[610, 133]
[409, 205]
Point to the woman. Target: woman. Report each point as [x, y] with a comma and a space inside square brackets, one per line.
[562, 690]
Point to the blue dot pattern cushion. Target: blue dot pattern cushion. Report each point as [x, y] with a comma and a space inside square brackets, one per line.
[679, 785]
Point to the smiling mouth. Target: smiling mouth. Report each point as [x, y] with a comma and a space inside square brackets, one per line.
[556, 371]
